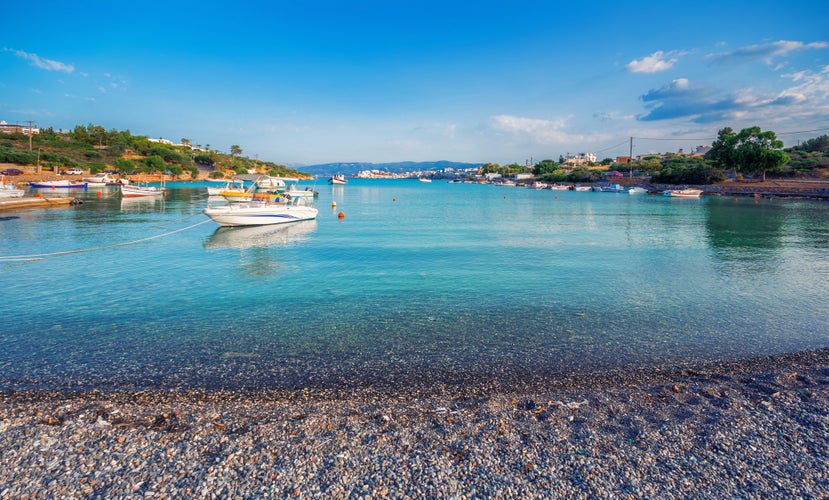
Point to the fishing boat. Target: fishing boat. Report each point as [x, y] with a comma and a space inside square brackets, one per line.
[61, 184]
[135, 191]
[637, 190]
[337, 179]
[9, 190]
[581, 188]
[260, 213]
[683, 193]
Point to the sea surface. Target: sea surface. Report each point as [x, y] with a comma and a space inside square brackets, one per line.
[418, 283]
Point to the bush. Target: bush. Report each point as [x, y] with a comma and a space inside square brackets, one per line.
[688, 174]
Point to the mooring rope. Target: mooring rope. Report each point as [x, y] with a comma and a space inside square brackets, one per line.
[41, 256]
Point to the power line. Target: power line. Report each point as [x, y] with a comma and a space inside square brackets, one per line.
[677, 139]
[804, 131]
[612, 147]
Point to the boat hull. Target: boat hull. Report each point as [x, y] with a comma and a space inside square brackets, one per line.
[141, 192]
[58, 185]
[259, 215]
[683, 193]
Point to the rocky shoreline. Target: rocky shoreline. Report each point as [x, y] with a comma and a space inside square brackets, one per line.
[755, 428]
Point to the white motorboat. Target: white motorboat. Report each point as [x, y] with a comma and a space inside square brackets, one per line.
[683, 193]
[260, 213]
[104, 179]
[9, 190]
[337, 179]
[134, 191]
[293, 191]
[582, 188]
[637, 190]
[424, 179]
[230, 186]
[269, 184]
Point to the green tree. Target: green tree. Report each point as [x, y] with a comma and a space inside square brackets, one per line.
[123, 165]
[235, 150]
[583, 174]
[153, 164]
[490, 168]
[723, 151]
[544, 167]
[759, 151]
[817, 144]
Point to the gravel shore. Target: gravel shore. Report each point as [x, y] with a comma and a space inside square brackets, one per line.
[750, 429]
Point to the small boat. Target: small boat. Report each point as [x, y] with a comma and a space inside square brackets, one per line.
[293, 191]
[424, 179]
[539, 185]
[246, 196]
[61, 184]
[582, 188]
[9, 190]
[637, 190]
[270, 184]
[337, 179]
[260, 213]
[559, 187]
[683, 193]
[133, 191]
[232, 185]
[104, 179]
[613, 188]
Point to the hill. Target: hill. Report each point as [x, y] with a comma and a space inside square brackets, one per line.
[92, 148]
[351, 168]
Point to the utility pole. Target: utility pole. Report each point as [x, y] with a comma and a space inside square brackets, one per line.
[630, 157]
[31, 132]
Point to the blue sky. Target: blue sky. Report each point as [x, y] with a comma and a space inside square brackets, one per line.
[307, 82]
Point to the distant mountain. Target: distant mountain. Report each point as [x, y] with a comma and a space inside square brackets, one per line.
[351, 168]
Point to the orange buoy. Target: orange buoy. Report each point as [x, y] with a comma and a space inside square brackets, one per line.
[340, 215]
[98, 194]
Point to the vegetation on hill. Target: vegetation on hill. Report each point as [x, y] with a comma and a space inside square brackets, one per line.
[96, 149]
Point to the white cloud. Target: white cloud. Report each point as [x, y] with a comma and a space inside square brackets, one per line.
[534, 129]
[39, 62]
[767, 52]
[654, 63]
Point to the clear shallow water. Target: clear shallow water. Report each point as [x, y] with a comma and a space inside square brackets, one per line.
[419, 283]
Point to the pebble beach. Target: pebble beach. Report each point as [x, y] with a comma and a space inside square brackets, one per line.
[756, 428]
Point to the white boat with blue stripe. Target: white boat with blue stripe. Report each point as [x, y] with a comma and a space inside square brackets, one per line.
[261, 213]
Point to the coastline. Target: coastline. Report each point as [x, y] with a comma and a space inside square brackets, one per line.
[749, 428]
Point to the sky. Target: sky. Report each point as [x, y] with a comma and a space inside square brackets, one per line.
[310, 82]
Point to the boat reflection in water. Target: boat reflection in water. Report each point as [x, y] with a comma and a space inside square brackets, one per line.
[142, 203]
[261, 236]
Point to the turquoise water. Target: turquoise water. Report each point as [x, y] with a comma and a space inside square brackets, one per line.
[417, 284]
